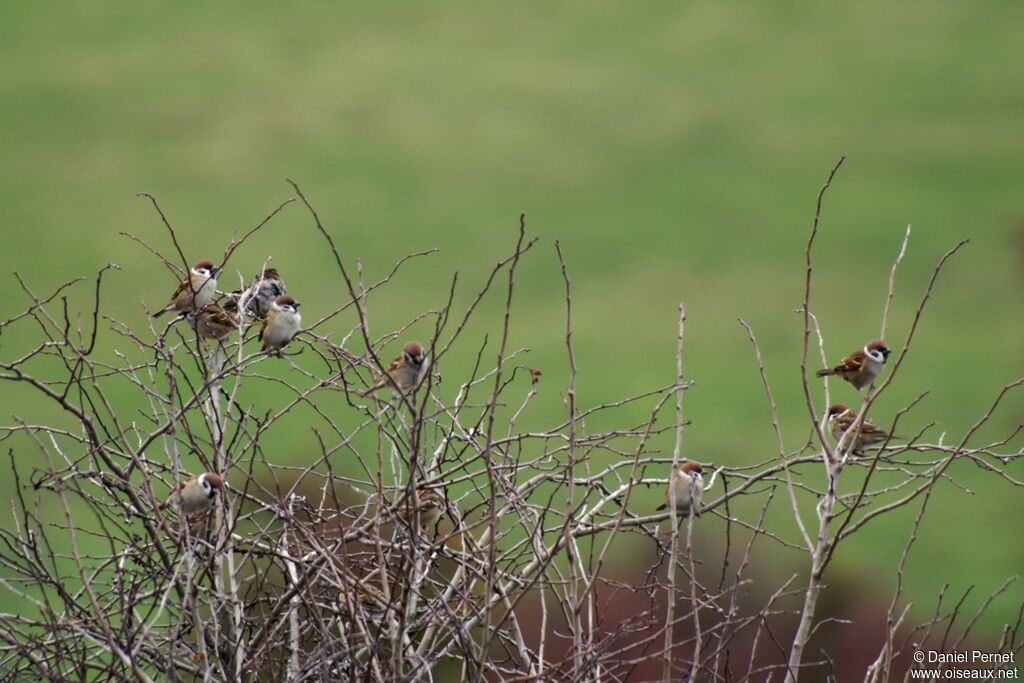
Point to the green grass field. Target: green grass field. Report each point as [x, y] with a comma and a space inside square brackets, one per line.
[676, 152]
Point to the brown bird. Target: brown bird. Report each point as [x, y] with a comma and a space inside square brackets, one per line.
[257, 299]
[841, 418]
[195, 291]
[431, 507]
[197, 494]
[863, 366]
[282, 323]
[212, 322]
[687, 482]
[360, 596]
[405, 372]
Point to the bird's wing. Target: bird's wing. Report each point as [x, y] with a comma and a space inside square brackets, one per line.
[383, 380]
[239, 299]
[263, 327]
[183, 287]
[395, 364]
[874, 430]
[221, 316]
[842, 422]
[174, 496]
[852, 363]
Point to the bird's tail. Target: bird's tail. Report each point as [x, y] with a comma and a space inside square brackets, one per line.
[824, 373]
[892, 437]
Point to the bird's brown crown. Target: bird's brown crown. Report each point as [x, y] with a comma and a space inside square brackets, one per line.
[879, 345]
[837, 409]
[216, 481]
[268, 274]
[413, 349]
[691, 466]
[204, 264]
[285, 300]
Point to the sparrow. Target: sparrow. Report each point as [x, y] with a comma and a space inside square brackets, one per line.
[431, 507]
[281, 324]
[361, 597]
[863, 366]
[257, 299]
[197, 494]
[688, 484]
[840, 419]
[212, 322]
[405, 372]
[194, 292]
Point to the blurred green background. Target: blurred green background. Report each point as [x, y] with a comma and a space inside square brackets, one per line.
[676, 150]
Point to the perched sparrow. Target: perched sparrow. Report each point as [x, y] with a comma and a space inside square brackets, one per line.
[405, 372]
[360, 596]
[212, 322]
[840, 419]
[688, 484]
[195, 292]
[431, 507]
[197, 494]
[258, 297]
[863, 366]
[281, 324]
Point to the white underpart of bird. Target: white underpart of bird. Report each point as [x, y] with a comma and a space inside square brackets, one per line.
[686, 487]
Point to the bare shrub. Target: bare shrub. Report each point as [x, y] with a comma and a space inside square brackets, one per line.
[462, 547]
